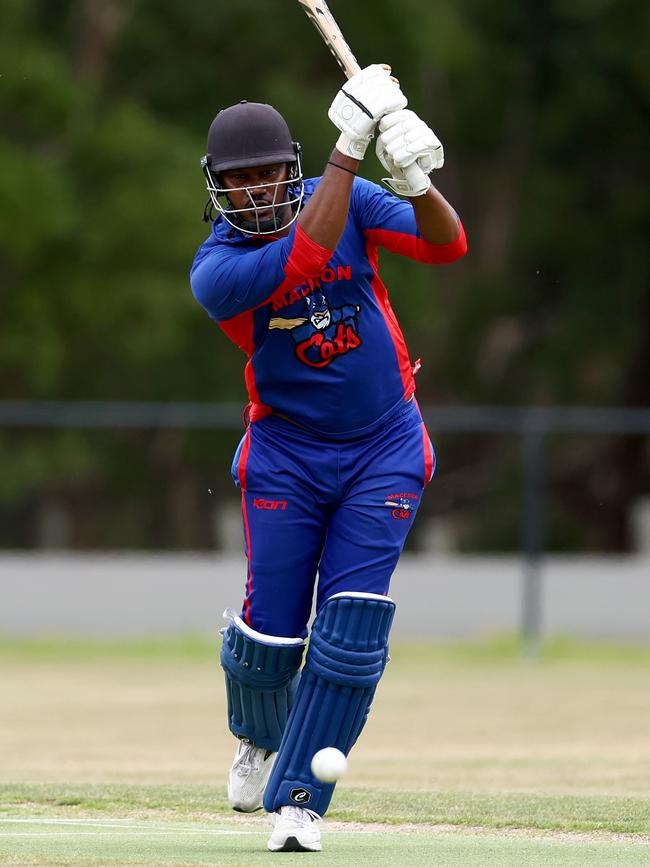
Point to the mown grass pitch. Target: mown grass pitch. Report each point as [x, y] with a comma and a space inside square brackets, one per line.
[117, 753]
[80, 843]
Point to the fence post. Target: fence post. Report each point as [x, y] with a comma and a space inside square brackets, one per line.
[532, 534]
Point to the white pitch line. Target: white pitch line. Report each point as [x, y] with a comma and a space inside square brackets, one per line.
[51, 834]
[120, 826]
[65, 833]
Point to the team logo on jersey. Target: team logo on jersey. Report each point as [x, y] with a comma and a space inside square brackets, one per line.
[325, 333]
[402, 506]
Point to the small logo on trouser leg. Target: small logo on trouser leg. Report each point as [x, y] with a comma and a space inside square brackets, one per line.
[300, 796]
[402, 505]
[272, 505]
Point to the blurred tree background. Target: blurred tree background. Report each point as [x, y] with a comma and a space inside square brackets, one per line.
[104, 108]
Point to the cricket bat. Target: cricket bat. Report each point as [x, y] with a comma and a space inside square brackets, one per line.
[330, 31]
[323, 20]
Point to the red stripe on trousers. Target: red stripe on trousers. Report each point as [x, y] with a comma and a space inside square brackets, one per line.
[249, 583]
[428, 456]
[243, 461]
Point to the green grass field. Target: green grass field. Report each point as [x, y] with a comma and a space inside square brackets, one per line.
[116, 753]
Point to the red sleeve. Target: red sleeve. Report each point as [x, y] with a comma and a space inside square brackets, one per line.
[306, 259]
[227, 281]
[415, 247]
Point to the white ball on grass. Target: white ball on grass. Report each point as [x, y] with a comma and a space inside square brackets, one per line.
[329, 765]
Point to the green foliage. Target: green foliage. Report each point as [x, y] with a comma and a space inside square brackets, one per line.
[543, 112]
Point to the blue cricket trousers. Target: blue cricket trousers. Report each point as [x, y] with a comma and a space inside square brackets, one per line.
[339, 509]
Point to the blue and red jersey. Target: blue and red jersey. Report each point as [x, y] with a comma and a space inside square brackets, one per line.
[324, 346]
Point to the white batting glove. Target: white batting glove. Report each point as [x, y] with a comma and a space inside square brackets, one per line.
[411, 181]
[404, 138]
[363, 99]
[409, 150]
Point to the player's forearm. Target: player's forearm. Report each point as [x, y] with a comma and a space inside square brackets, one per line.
[435, 217]
[326, 213]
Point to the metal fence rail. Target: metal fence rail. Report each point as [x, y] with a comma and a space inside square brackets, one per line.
[226, 416]
[532, 424]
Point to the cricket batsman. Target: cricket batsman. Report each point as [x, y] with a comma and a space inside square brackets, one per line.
[335, 456]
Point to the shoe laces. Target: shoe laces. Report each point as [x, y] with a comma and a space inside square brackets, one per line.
[300, 816]
[247, 764]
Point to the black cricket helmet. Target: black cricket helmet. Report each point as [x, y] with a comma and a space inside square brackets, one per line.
[242, 136]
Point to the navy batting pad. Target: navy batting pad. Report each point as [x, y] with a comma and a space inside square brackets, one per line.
[261, 679]
[347, 654]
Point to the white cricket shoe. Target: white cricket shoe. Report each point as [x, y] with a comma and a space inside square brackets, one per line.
[248, 776]
[296, 830]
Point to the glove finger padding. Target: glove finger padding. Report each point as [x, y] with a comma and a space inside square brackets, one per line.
[410, 136]
[411, 180]
[360, 103]
[405, 139]
[410, 152]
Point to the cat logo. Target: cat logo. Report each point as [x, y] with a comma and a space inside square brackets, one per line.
[325, 333]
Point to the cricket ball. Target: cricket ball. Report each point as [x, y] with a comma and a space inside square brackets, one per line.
[328, 765]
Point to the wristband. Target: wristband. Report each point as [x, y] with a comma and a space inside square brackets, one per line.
[336, 165]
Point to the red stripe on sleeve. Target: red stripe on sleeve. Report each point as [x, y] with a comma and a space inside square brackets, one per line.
[417, 248]
[306, 259]
[381, 296]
